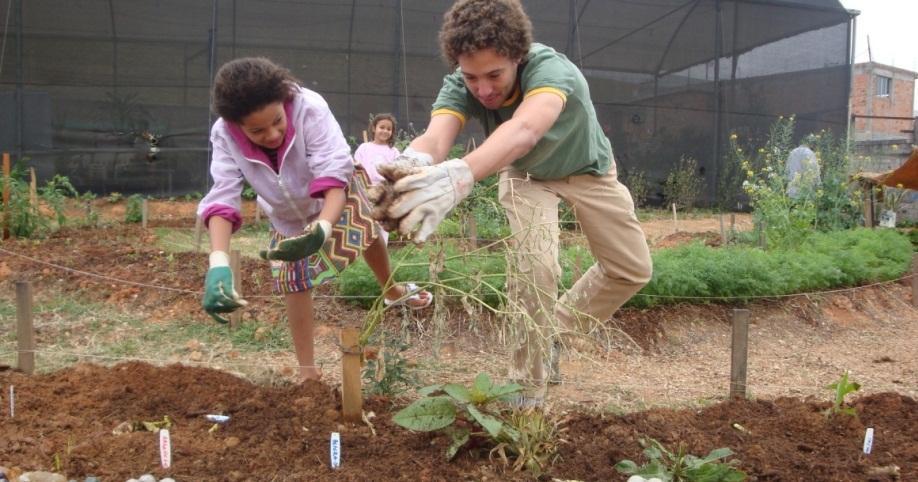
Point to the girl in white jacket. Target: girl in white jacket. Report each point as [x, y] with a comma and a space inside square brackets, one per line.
[284, 141]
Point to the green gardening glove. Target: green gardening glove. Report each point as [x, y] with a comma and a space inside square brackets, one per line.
[219, 294]
[299, 247]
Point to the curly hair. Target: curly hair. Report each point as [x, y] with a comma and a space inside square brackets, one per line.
[472, 25]
[246, 85]
[381, 117]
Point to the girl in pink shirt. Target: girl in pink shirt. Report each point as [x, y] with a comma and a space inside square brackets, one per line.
[379, 150]
[284, 141]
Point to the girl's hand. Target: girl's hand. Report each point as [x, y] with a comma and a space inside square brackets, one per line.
[302, 246]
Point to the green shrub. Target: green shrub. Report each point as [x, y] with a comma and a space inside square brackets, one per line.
[26, 220]
[683, 184]
[822, 261]
[133, 212]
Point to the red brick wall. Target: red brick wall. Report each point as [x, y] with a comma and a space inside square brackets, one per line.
[864, 101]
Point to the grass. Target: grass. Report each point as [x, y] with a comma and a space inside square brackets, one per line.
[70, 329]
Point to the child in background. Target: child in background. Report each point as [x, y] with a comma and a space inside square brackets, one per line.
[284, 141]
[381, 147]
[379, 150]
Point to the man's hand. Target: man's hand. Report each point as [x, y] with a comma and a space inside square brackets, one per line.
[427, 196]
[299, 247]
[219, 294]
[408, 161]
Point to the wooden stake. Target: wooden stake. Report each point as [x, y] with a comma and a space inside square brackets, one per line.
[868, 205]
[25, 333]
[198, 231]
[675, 221]
[33, 190]
[739, 353]
[6, 195]
[723, 232]
[235, 318]
[365, 137]
[257, 212]
[144, 207]
[351, 398]
[915, 280]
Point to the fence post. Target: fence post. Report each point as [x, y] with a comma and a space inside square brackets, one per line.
[33, 191]
[6, 195]
[351, 397]
[198, 231]
[739, 352]
[675, 221]
[25, 333]
[236, 267]
[915, 280]
[144, 209]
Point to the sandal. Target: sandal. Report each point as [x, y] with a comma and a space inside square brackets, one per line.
[415, 295]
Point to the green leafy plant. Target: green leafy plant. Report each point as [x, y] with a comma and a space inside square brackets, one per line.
[680, 466]
[389, 373]
[683, 184]
[249, 193]
[133, 212]
[638, 185]
[28, 215]
[536, 445]
[842, 387]
[114, 197]
[92, 216]
[462, 412]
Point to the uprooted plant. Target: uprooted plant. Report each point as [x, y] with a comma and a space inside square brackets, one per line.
[480, 412]
[681, 466]
[842, 387]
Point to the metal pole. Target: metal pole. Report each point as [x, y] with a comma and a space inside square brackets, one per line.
[211, 60]
[19, 91]
[718, 51]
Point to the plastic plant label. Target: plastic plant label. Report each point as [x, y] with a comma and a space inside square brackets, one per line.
[868, 440]
[335, 450]
[217, 418]
[12, 402]
[165, 449]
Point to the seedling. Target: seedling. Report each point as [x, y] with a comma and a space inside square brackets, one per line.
[680, 466]
[842, 387]
[390, 374]
[462, 412]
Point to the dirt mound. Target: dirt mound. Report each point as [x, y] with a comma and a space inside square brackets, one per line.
[709, 238]
[282, 433]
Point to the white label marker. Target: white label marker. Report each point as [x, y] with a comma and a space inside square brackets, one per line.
[868, 441]
[335, 450]
[165, 448]
[12, 402]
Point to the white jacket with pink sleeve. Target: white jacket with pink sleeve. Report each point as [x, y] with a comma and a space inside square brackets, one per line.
[313, 158]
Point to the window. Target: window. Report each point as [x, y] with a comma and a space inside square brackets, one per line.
[884, 86]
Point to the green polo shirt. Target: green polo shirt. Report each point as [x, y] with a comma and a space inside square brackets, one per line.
[575, 144]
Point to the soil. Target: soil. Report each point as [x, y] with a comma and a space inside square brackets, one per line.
[660, 374]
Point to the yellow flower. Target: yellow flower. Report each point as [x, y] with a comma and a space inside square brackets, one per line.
[733, 136]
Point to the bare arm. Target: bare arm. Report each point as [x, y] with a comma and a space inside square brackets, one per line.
[334, 205]
[439, 137]
[220, 231]
[517, 136]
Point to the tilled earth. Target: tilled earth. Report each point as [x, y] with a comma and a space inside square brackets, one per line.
[65, 420]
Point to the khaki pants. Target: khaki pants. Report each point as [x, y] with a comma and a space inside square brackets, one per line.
[605, 210]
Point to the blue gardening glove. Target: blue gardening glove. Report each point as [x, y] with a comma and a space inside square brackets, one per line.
[425, 198]
[299, 247]
[219, 294]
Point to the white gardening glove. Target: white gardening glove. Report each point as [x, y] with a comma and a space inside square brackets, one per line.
[408, 160]
[298, 247]
[427, 197]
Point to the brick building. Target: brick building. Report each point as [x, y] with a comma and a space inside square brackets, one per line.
[883, 102]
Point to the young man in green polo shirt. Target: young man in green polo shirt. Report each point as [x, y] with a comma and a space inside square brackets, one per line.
[544, 140]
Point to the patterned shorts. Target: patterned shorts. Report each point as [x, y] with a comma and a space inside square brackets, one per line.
[353, 233]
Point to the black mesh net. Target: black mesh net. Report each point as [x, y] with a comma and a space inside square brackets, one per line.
[114, 95]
